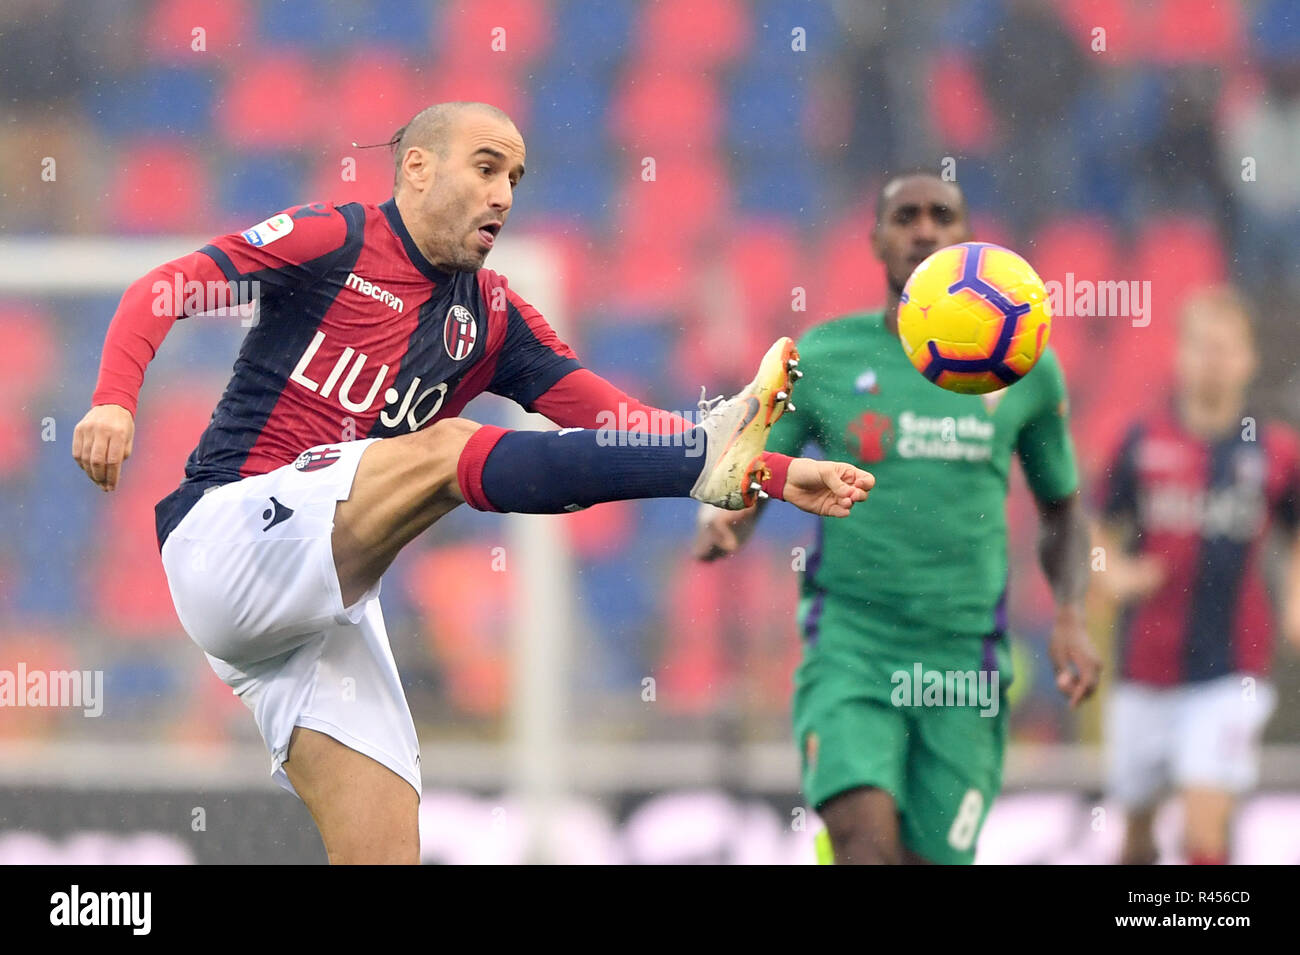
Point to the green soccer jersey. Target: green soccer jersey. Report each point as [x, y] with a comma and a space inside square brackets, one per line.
[928, 550]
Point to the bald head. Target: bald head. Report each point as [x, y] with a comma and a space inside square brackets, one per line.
[434, 127]
[458, 165]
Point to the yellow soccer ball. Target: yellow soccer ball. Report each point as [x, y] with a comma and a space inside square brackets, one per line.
[974, 318]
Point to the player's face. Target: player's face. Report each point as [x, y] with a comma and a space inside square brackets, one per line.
[469, 200]
[921, 214]
[1216, 358]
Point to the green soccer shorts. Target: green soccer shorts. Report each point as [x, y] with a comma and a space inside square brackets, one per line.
[922, 716]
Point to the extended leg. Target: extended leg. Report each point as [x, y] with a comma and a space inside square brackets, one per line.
[366, 813]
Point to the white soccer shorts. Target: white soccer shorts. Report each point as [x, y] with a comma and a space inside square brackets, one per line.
[251, 572]
[1203, 735]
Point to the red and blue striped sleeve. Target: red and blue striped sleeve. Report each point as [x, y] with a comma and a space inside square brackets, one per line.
[292, 248]
[532, 357]
[289, 248]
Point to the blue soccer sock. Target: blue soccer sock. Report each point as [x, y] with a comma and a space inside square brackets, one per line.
[550, 472]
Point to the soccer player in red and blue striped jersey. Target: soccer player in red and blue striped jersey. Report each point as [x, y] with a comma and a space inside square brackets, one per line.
[1191, 497]
[339, 439]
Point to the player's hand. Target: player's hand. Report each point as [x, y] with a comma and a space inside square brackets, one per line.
[1075, 660]
[102, 441]
[720, 533]
[826, 488]
[1134, 578]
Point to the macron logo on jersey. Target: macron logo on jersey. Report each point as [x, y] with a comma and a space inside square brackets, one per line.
[358, 284]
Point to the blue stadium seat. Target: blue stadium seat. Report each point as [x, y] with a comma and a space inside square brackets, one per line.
[157, 99]
[46, 521]
[297, 23]
[1111, 124]
[971, 24]
[622, 601]
[1276, 30]
[591, 37]
[781, 190]
[575, 185]
[255, 187]
[765, 112]
[629, 348]
[139, 684]
[570, 111]
[322, 24]
[773, 21]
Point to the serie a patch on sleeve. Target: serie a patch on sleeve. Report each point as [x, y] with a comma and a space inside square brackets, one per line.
[268, 230]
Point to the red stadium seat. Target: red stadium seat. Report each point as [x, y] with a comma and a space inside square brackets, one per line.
[1193, 31]
[170, 25]
[465, 625]
[372, 169]
[688, 198]
[730, 630]
[17, 449]
[845, 274]
[272, 103]
[1177, 254]
[649, 274]
[159, 187]
[130, 590]
[375, 92]
[30, 356]
[1065, 252]
[765, 258]
[751, 305]
[470, 31]
[463, 77]
[957, 104]
[1125, 33]
[600, 531]
[695, 34]
[39, 651]
[212, 714]
[660, 111]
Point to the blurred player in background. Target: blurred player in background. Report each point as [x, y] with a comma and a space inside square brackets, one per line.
[1190, 499]
[339, 440]
[920, 577]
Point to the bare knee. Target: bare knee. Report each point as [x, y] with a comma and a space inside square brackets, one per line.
[863, 828]
[441, 444]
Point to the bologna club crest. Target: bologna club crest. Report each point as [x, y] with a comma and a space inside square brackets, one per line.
[459, 332]
[315, 460]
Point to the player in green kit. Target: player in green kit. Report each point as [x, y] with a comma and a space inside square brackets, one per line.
[899, 705]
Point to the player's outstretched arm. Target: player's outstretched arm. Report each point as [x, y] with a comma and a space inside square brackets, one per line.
[101, 443]
[824, 488]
